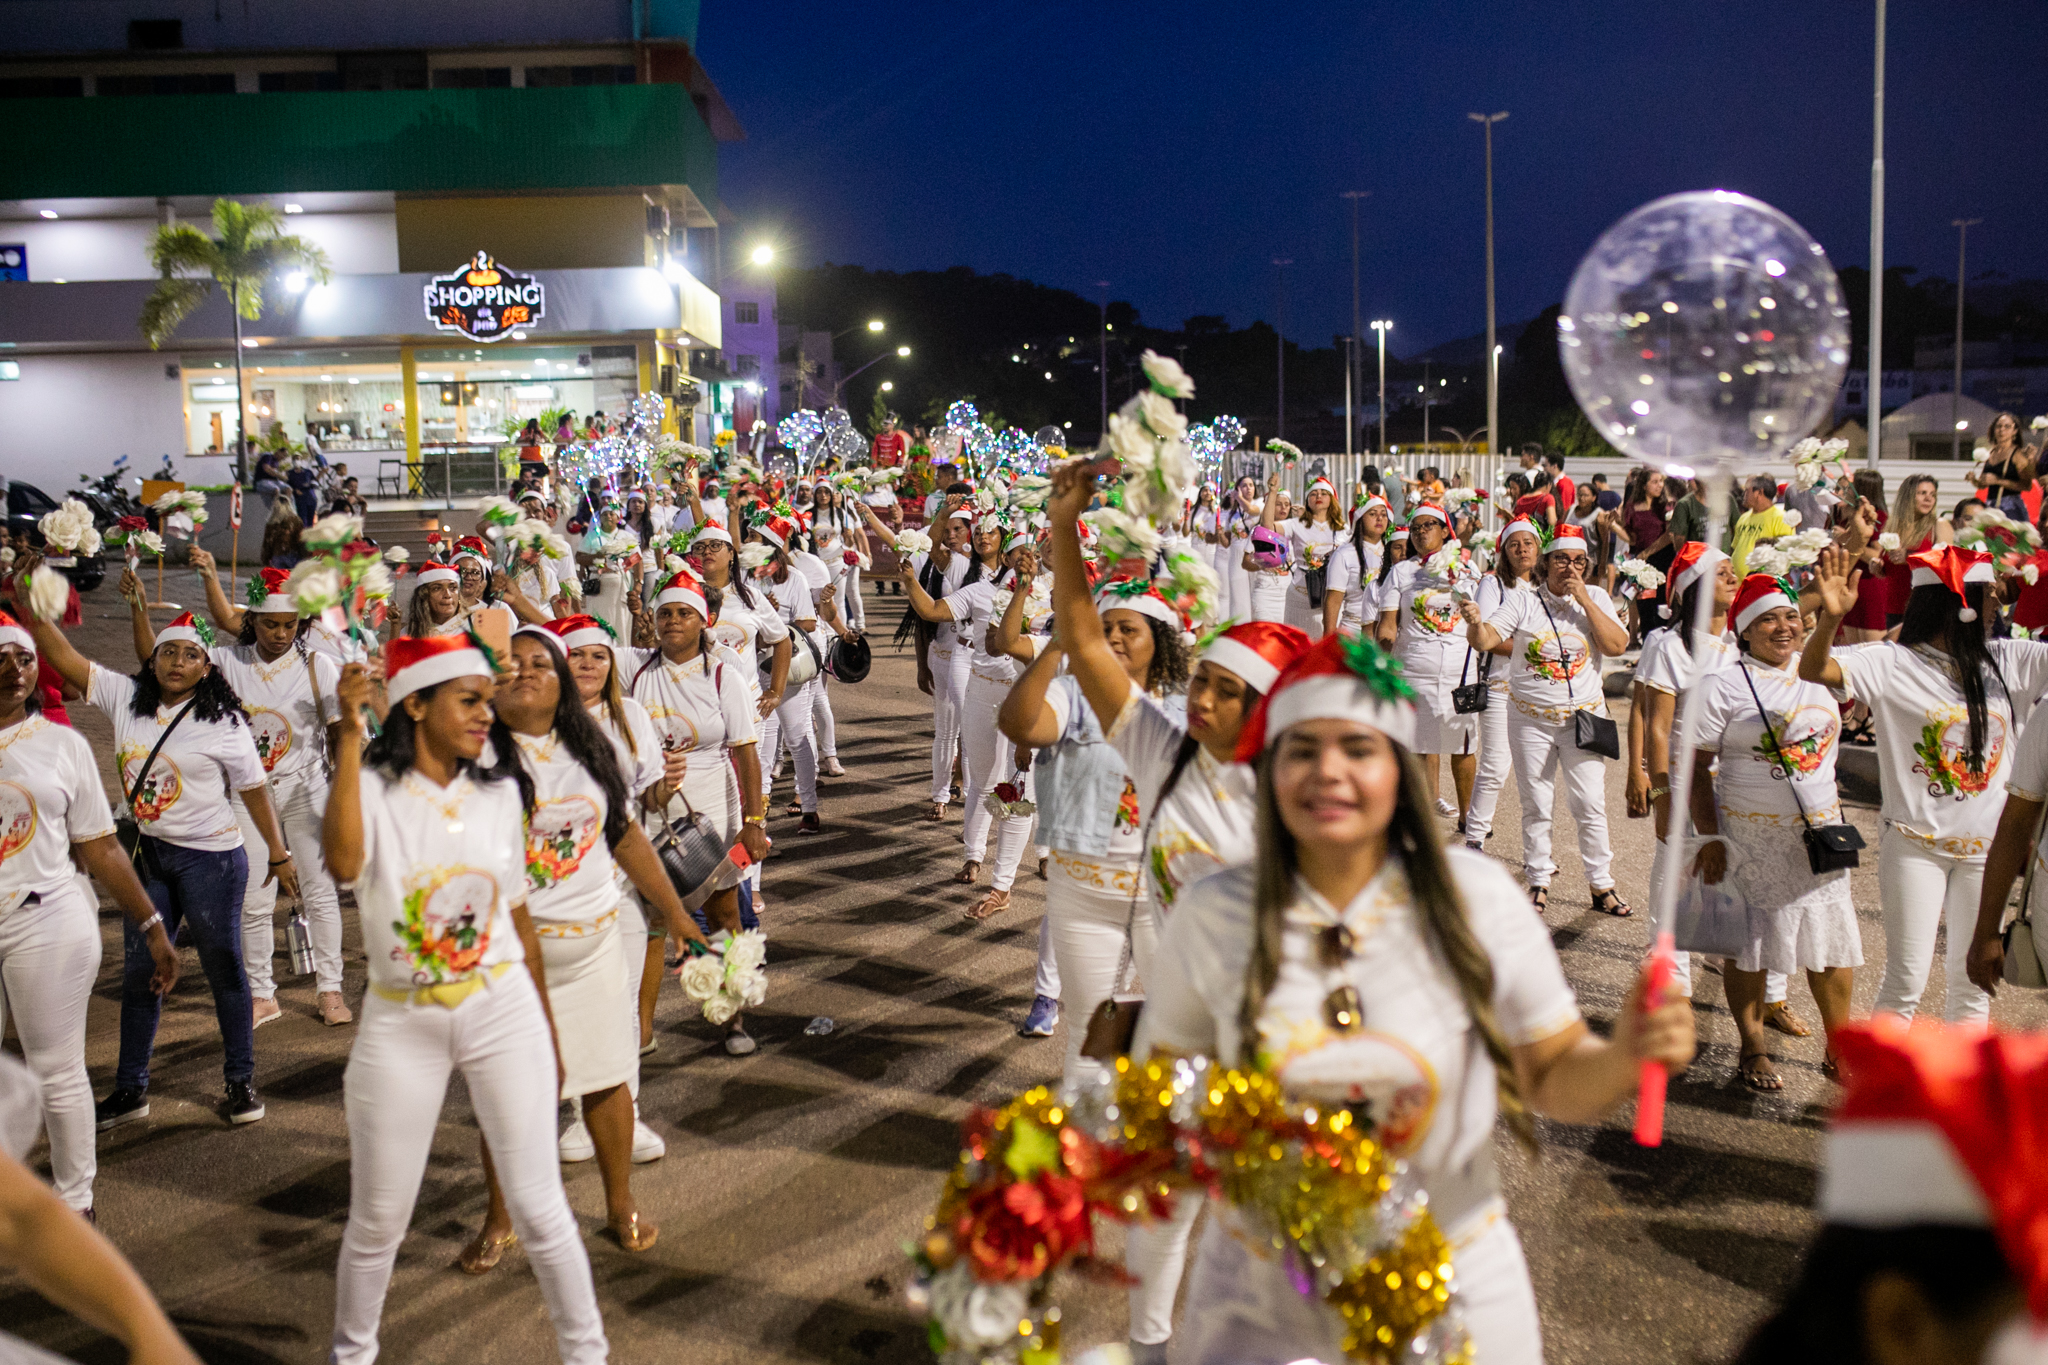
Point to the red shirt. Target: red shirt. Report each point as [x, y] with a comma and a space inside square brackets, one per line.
[51, 688]
[888, 449]
[1567, 492]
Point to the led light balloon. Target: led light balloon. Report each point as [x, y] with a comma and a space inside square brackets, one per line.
[1704, 329]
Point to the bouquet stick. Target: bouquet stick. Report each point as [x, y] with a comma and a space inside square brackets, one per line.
[173, 606]
[234, 559]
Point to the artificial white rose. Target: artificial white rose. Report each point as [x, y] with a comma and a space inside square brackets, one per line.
[751, 989]
[2039, 424]
[1793, 516]
[314, 587]
[720, 1008]
[397, 554]
[755, 555]
[49, 592]
[1166, 376]
[2031, 572]
[89, 542]
[338, 529]
[746, 950]
[377, 581]
[1158, 412]
[703, 976]
[976, 1316]
[1806, 449]
[1888, 541]
[1130, 441]
[150, 541]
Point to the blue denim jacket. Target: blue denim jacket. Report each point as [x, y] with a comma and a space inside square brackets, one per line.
[1080, 779]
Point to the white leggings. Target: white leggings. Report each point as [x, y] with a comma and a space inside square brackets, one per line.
[1496, 761]
[989, 759]
[1045, 980]
[949, 699]
[301, 805]
[1540, 751]
[823, 723]
[396, 1081]
[790, 723]
[49, 958]
[1087, 903]
[1919, 890]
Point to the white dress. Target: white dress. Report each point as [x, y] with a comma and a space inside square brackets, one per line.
[1430, 641]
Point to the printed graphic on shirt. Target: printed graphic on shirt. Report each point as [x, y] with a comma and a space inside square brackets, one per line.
[1546, 660]
[1804, 737]
[17, 819]
[447, 924]
[731, 636]
[1127, 807]
[1436, 610]
[676, 728]
[162, 789]
[1177, 858]
[272, 733]
[560, 834]
[1389, 1087]
[1944, 750]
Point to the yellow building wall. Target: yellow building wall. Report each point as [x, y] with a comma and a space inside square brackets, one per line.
[554, 232]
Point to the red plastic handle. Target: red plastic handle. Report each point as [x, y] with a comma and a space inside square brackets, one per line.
[1654, 1079]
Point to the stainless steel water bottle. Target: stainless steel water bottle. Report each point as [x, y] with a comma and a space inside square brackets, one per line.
[298, 938]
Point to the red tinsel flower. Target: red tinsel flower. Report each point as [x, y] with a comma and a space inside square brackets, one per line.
[852, 557]
[433, 537]
[1008, 793]
[1022, 1229]
[133, 524]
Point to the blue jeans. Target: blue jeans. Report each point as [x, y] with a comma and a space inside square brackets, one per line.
[201, 891]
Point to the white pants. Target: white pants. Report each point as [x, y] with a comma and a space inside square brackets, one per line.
[1155, 1254]
[1496, 761]
[1239, 581]
[823, 724]
[1088, 902]
[1920, 890]
[1045, 980]
[49, 958]
[949, 698]
[852, 611]
[1268, 596]
[790, 723]
[393, 1089]
[1540, 752]
[301, 806]
[988, 759]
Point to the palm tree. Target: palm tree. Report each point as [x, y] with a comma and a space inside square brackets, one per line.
[251, 248]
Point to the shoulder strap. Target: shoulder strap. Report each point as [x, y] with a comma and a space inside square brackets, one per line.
[1771, 738]
[1564, 659]
[142, 774]
[653, 658]
[319, 707]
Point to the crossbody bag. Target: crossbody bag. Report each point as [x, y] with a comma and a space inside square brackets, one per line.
[128, 830]
[1829, 848]
[690, 846]
[1591, 731]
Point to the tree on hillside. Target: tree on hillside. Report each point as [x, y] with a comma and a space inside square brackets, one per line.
[252, 247]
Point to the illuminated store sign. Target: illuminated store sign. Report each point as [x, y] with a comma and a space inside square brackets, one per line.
[484, 301]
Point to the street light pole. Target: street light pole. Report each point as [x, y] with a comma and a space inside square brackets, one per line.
[1102, 358]
[1354, 375]
[1874, 395]
[1350, 356]
[1955, 397]
[1383, 327]
[1492, 388]
[1280, 346]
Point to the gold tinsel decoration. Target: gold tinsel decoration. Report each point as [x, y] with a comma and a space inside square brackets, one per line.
[1394, 1295]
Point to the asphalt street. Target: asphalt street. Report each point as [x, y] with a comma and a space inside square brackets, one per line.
[794, 1177]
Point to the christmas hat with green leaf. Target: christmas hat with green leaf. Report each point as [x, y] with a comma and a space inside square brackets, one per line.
[1341, 677]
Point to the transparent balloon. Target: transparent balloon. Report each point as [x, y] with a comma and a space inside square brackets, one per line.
[836, 419]
[961, 416]
[847, 443]
[1049, 436]
[1705, 330]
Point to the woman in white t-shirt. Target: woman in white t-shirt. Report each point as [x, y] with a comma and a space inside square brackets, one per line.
[1312, 537]
[1361, 965]
[1559, 633]
[1240, 512]
[455, 973]
[581, 832]
[838, 538]
[52, 806]
[1520, 551]
[191, 857]
[1941, 700]
[1775, 737]
[791, 724]
[605, 553]
[695, 692]
[1348, 600]
[1269, 583]
[1418, 623]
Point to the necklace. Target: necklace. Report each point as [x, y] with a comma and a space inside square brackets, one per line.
[448, 806]
[541, 748]
[268, 673]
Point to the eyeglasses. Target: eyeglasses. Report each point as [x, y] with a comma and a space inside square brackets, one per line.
[1573, 562]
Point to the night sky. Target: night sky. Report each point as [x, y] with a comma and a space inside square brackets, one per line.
[1175, 150]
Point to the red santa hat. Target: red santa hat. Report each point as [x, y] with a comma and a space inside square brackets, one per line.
[1374, 501]
[1138, 595]
[1568, 537]
[13, 633]
[437, 573]
[1256, 651]
[1319, 484]
[710, 530]
[1952, 566]
[685, 589]
[554, 642]
[1520, 524]
[1694, 560]
[1758, 594]
[1340, 677]
[473, 547]
[187, 627]
[777, 531]
[580, 630]
[267, 593]
[1428, 509]
[1946, 1125]
[1398, 533]
[413, 662]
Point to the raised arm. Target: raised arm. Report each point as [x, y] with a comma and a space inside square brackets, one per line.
[225, 614]
[139, 633]
[1103, 680]
[1024, 718]
[1836, 580]
[341, 829]
[921, 601]
[1272, 504]
[1006, 632]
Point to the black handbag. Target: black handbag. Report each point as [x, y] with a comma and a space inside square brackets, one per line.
[1317, 581]
[1469, 699]
[1829, 848]
[690, 847]
[1591, 731]
[127, 831]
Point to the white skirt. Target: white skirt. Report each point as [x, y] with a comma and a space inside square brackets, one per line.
[1797, 922]
[583, 974]
[1268, 596]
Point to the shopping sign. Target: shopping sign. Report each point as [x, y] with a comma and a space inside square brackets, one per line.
[235, 507]
[484, 301]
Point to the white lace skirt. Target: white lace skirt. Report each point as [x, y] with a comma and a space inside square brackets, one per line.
[1797, 922]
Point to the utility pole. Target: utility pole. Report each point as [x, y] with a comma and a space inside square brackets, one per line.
[1492, 384]
[1354, 374]
[1955, 397]
[1350, 356]
[1102, 361]
[1874, 406]
[1383, 326]
[1280, 344]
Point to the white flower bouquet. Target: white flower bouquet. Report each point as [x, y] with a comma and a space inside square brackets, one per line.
[69, 529]
[1166, 376]
[1646, 576]
[754, 556]
[1288, 452]
[1120, 535]
[731, 977]
[49, 594]
[913, 542]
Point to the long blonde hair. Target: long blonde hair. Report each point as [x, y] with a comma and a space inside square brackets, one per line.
[1906, 520]
[1414, 838]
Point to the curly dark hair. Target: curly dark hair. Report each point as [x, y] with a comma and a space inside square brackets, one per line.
[213, 698]
[1168, 671]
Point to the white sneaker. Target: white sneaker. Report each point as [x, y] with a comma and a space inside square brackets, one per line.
[576, 1144]
[831, 767]
[738, 1042]
[1445, 808]
[647, 1144]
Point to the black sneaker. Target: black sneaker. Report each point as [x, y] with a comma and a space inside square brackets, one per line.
[123, 1106]
[243, 1104]
[809, 824]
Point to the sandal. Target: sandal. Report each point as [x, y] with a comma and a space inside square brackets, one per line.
[970, 874]
[1756, 1078]
[1830, 1069]
[1539, 896]
[1041, 869]
[793, 808]
[935, 813]
[484, 1253]
[1861, 733]
[994, 903]
[1608, 901]
[1781, 1018]
[634, 1235]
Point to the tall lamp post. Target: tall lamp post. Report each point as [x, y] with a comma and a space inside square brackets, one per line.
[1955, 396]
[1354, 376]
[1280, 264]
[1492, 388]
[1874, 395]
[1383, 326]
[1102, 357]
